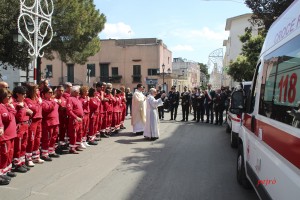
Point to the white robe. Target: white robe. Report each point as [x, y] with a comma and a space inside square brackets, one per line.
[151, 126]
[138, 114]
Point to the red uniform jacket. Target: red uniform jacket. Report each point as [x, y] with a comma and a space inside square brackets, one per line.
[66, 95]
[50, 112]
[85, 105]
[8, 122]
[74, 108]
[21, 115]
[61, 106]
[108, 105]
[35, 106]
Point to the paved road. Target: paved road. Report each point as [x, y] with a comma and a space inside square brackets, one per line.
[189, 161]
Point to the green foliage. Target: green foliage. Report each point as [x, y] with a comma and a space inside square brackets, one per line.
[266, 12]
[244, 66]
[241, 69]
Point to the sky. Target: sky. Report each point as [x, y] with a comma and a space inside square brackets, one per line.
[191, 29]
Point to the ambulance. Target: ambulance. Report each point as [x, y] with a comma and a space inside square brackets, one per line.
[269, 138]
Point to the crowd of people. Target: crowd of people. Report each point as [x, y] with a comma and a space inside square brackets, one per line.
[198, 103]
[38, 123]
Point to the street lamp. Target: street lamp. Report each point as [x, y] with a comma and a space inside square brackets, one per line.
[163, 68]
[34, 24]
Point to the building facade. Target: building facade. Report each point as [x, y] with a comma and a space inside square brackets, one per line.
[185, 73]
[121, 62]
[236, 27]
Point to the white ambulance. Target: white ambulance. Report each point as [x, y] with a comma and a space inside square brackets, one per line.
[269, 137]
[234, 120]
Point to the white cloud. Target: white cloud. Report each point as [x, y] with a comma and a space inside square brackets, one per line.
[182, 48]
[205, 33]
[117, 31]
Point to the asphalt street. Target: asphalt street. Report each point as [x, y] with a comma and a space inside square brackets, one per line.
[189, 161]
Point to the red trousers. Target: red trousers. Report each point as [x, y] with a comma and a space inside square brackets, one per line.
[115, 120]
[6, 155]
[123, 114]
[20, 144]
[104, 121]
[92, 126]
[100, 121]
[108, 121]
[74, 131]
[34, 139]
[85, 127]
[49, 137]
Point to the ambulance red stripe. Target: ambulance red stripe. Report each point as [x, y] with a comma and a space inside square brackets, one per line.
[282, 142]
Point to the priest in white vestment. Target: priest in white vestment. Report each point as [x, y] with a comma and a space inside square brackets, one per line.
[151, 130]
[138, 117]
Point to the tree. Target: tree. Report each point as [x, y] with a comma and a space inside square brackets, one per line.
[266, 12]
[204, 70]
[76, 25]
[244, 66]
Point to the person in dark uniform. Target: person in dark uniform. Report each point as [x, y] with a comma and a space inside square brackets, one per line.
[185, 103]
[194, 97]
[208, 103]
[128, 96]
[200, 97]
[160, 108]
[173, 99]
[219, 102]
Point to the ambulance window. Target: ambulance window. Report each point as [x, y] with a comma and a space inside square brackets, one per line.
[252, 93]
[280, 84]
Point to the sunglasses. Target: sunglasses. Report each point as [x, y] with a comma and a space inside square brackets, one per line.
[6, 87]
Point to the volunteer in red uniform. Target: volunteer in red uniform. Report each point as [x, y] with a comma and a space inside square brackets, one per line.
[122, 107]
[99, 122]
[75, 115]
[22, 119]
[85, 100]
[102, 112]
[115, 125]
[8, 133]
[34, 103]
[94, 111]
[108, 108]
[62, 112]
[50, 124]
[68, 88]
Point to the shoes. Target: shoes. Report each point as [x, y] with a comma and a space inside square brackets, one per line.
[123, 127]
[86, 144]
[38, 161]
[82, 146]
[93, 143]
[97, 139]
[30, 163]
[4, 181]
[194, 119]
[20, 169]
[182, 120]
[78, 149]
[154, 138]
[5, 177]
[54, 155]
[104, 135]
[73, 151]
[140, 133]
[26, 167]
[171, 119]
[46, 158]
[11, 174]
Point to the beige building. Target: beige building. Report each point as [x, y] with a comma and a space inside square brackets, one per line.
[121, 62]
[185, 73]
[236, 27]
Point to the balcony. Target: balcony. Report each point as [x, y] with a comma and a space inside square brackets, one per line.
[111, 79]
[136, 78]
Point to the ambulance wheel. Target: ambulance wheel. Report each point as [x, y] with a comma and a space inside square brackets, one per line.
[233, 140]
[240, 169]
